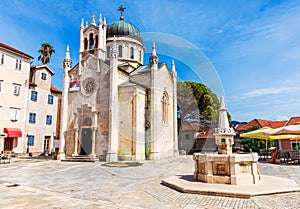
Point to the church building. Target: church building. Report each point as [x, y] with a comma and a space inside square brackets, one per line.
[115, 107]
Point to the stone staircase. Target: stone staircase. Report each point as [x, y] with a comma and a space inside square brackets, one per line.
[80, 158]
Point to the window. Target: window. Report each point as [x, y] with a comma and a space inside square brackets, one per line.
[34, 95]
[140, 53]
[165, 102]
[120, 51]
[96, 41]
[1, 59]
[85, 42]
[48, 119]
[131, 53]
[91, 41]
[295, 146]
[32, 117]
[50, 99]
[18, 64]
[17, 88]
[44, 76]
[14, 113]
[30, 140]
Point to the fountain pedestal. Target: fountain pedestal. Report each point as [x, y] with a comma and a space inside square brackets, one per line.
[233, 169]
[225, 167]
[228, 174]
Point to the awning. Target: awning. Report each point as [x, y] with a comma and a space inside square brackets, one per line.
[13, 132]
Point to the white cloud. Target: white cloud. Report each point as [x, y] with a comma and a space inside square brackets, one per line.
[269, 91]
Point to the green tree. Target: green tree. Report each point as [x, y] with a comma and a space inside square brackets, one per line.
[196, 102]
[46, 52]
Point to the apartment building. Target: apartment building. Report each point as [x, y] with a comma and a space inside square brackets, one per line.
[14, 74]
[43, 99]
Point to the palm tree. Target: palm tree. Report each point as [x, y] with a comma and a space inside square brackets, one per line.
[46, 51]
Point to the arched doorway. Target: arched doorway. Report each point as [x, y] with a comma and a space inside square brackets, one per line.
[86, 137]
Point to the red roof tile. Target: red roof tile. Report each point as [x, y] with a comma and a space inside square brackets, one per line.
[205, 132]
[14, 50]
[261, 123]
[52, 88]
[254, 122]
[293, 121]
[278, 124]
[191, 127]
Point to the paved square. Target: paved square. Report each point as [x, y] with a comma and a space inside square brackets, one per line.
[55, 184]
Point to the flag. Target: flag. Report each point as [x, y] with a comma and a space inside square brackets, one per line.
[74, 86]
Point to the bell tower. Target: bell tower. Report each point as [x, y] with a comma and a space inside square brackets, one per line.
[93, 38]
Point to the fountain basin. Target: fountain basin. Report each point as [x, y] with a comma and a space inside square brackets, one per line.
[235, 169]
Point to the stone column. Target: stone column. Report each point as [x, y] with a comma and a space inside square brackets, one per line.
[175, 128]
[67, 63]
[93, 154]
[113, 138]
[76, 142]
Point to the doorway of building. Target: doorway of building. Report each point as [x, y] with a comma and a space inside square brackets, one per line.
[47, 145]
[86, 141]
[8, 144]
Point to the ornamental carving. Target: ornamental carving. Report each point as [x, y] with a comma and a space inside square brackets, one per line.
[221, 169]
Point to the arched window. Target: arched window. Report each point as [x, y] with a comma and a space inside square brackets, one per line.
[85, 42]
[131, 53]
[108, 51]
[87, 122]
[91, 40]
[140, 56]
[96, 41]
[120, 51]
[165, 103]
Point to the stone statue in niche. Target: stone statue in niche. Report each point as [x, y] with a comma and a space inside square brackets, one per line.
[224, 147]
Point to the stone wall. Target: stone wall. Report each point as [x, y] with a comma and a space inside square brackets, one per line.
[131, 123]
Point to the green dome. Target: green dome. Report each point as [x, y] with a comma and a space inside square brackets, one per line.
[122, 28]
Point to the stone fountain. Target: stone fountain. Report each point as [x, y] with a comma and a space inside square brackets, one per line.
[228, 174]
[226, 167]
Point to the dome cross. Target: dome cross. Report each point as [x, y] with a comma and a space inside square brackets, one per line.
[121, 10]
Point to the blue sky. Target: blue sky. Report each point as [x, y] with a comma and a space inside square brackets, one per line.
[247, 50]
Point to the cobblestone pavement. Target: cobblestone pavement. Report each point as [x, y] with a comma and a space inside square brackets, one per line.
[55, 184]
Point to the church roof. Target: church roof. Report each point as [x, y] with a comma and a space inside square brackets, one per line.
[130, 84]
[122, 28]
[145, 69]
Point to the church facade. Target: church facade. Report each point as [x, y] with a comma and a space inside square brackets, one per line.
[115, 107]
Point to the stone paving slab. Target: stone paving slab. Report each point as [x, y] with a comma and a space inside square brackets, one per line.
[27, 197]
[268, 185]
[55, 184]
